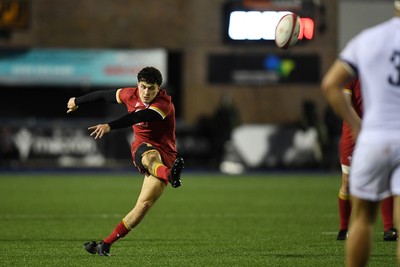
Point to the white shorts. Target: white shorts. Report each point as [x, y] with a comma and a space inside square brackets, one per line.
[375, 170]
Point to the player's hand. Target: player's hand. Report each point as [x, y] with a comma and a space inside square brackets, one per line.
[99, 130]
[71, 106]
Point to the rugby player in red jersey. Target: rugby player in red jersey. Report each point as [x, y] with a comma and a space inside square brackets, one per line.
[152, 117]
[353, 94]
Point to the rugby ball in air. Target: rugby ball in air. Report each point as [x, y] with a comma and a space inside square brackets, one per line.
[287, 31]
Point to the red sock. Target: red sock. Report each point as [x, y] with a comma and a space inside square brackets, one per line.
[344, 210]
[120, 231]
[162, 172]
[387, 213]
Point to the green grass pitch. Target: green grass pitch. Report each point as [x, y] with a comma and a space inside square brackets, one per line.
[212, 220]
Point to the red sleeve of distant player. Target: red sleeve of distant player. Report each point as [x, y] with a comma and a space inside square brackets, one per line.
[346, 141]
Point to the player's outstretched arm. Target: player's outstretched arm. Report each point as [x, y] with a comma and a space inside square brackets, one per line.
[98, 96]
[127, 120]
[145, 115]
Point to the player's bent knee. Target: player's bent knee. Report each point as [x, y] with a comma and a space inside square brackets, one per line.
[151, 156]
[143, 154]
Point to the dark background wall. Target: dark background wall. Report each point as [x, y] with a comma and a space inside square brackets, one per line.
[192, 28]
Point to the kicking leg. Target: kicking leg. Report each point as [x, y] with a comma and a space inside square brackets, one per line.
[151, 160]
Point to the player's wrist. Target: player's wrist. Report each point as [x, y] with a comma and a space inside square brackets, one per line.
[78, 101]
[115, 124]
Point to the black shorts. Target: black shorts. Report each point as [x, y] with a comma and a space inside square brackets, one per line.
[140, 151]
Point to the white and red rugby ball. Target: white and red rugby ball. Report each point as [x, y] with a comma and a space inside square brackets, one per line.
[287, 31]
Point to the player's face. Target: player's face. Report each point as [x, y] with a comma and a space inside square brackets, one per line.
[148, 91]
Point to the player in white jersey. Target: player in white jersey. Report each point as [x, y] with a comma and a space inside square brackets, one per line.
[373, 56]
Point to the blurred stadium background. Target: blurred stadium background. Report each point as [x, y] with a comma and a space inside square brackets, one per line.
[241, 105]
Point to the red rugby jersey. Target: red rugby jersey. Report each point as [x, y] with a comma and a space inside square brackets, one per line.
[159, 133]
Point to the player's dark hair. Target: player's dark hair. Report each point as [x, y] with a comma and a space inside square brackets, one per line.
[150, 75]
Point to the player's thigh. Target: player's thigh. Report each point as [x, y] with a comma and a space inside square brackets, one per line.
[370, 172]
[151, 156]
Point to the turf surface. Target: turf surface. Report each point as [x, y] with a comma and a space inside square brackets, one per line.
[212, 220]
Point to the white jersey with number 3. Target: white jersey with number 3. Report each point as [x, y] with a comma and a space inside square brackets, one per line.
[375, 55]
